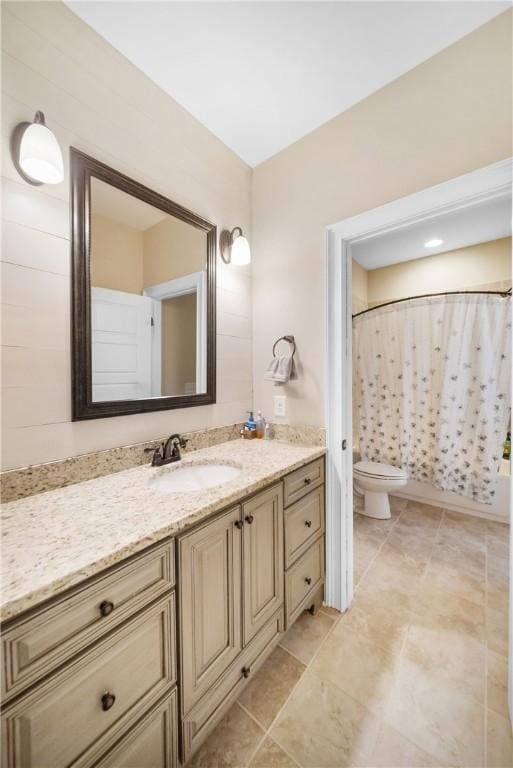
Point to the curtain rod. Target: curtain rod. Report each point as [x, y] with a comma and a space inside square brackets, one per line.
[504, 294]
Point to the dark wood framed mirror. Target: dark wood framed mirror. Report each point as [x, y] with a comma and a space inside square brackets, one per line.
[143, 297]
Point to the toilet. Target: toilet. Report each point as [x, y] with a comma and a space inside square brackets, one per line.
[375, 481]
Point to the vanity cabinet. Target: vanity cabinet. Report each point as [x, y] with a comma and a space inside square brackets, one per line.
[140, 662]
[82, 672]
[231, 606]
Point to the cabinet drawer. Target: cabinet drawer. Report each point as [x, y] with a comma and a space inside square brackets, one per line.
[203, 718]
[35, 646]
[302, 481]
[151, 743]
[71, 719]
[304, 520]
[303, 579]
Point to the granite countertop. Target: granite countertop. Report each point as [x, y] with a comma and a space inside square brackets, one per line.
[54, 540]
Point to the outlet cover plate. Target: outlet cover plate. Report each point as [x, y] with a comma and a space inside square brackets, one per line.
[280, 405]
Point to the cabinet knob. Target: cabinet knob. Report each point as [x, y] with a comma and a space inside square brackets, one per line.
[108, 700]
[249, 519]
[308, 579]
[307, 480]
[106, 607]
[238, 524]
[308, 523]
[246, 671]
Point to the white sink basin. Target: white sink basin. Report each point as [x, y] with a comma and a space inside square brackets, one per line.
[194, 477]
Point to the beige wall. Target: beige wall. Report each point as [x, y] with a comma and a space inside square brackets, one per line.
[448, 116]
[116, 255]
[179, 343]
[127, 259]
[173, 249]
[95, 100]
[486, 266]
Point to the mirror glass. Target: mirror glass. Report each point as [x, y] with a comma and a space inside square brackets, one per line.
[148, 276]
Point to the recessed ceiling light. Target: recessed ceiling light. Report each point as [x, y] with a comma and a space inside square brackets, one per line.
[433, 242]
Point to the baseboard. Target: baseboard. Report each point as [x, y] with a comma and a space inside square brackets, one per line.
[428, 494]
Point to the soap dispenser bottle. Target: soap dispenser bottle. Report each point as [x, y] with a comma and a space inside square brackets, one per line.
[249, 429]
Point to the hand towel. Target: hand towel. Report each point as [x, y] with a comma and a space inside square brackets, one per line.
[281, 370]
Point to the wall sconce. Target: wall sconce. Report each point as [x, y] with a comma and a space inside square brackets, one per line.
[234, 248]
[36, 153]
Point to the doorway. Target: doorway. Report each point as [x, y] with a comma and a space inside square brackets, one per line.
[342, 241]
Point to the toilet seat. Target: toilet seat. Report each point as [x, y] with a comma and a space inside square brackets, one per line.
[379, 471]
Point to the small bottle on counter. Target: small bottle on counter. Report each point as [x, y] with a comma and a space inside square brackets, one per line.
[260, 425]
[268, 432]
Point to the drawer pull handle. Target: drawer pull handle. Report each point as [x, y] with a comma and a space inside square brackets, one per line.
[308, 580]
[106, 607]
[108, 700]
[249, 519]
[246, 671]
[307, 480]
[238, 524]
[308, 523]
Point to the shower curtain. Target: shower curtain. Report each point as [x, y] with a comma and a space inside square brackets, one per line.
[432, 389]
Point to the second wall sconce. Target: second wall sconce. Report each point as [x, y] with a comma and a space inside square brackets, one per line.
[36, 153]
[234, 247]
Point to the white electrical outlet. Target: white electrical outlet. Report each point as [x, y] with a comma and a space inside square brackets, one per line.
[280, 405]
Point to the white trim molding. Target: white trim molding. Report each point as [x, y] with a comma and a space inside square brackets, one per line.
[487, 183]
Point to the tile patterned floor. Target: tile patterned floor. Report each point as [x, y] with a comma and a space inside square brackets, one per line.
[413, 675]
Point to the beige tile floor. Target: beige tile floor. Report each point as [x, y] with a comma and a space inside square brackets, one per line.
[414, 674]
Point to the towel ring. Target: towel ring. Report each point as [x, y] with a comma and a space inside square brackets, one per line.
[289, 339]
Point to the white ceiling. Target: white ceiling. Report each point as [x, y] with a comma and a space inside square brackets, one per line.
[260, 75]
[467, 226]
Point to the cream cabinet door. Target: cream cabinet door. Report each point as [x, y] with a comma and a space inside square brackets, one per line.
[262, 558]
[210, 603]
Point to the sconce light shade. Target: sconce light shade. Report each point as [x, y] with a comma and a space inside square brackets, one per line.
[234, 248]
[240, 251]
[36, 153]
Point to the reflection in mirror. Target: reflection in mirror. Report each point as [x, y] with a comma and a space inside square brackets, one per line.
[148, 272]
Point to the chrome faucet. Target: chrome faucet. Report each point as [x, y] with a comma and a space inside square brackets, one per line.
[167, 452]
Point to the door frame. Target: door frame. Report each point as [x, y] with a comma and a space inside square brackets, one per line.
[486, 183]
[195, 282]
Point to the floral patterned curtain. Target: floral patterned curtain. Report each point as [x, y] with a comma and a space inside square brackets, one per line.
[432, 389]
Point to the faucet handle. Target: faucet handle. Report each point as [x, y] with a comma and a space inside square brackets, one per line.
[158, 454]
[153, 449]
[183, 441]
